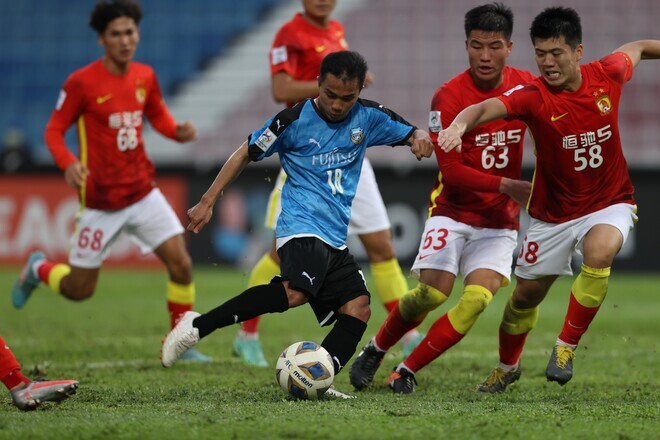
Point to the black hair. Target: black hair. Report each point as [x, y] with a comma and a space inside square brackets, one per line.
[492, 17]
[105, 11]
[345, 65]
[557, 22]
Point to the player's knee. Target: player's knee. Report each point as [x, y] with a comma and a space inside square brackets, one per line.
[78, 291]
[295, 297]
[180, 268]
[420, 300]
[358, 308]
[516, 321]
[474, 300]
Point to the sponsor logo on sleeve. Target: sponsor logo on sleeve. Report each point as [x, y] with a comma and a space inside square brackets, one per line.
[435, 124]
[266, 140]
[60, 100]
[510, 91]
[278, 55]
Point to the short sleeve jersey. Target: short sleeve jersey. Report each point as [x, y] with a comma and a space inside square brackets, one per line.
[299, 47]
[494, 149]
[109, 110]
[580, 167]
[323, 161]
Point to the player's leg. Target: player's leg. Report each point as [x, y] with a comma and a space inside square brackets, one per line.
[604, 233]
[27, 395]
[246, 344]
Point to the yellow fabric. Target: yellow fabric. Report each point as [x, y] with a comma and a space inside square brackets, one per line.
[83, 147]
[264, 271]
[183, 294]
[590, 287]
[390, 283]
[55, 276]
[463, 315]
[519, 321]
[419, 301]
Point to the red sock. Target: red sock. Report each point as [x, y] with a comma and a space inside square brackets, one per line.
[10, 370]
[393, 329]
[578, 318]
[176, 311]
[251, 325]
[391, 305]
[441, 337]
[44, 271]
[511, 347]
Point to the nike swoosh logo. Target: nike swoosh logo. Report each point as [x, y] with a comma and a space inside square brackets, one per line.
[554, 118]
[421, 257]
[102, 99]
[319, 49]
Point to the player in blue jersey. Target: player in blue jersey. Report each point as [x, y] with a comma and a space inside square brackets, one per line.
[321, 144]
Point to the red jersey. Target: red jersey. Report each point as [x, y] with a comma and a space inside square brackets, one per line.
[109, 110]
[467, 186]
[580, 166]
[299, 47]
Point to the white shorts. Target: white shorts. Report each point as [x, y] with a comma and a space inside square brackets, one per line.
[548, 247]
[368, 213]
[149, 223]
[457, 247]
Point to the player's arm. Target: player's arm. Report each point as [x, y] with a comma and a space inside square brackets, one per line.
[420, 144]
[476, 114]
[641, 50]
[286, 89]
[201, 213]
[68, 109]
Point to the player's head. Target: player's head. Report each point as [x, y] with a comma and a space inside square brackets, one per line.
[116, 23]
[488, 31]
[557, 38]
[340, 82]
[319, 10]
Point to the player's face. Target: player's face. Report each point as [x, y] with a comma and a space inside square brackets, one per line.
[319, 9]
[120, 40]
[559, 63]
[487, 53]
[337, 97]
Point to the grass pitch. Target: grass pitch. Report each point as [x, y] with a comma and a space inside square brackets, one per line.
[111, 345]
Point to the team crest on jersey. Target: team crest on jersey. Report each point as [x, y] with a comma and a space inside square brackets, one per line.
[141, 94]
[603, 102]
[357, 134]
[266, 140]
[435, 125]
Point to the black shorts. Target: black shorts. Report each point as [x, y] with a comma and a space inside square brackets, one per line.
[329, 277]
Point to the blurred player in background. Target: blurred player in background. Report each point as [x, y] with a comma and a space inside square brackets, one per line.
[321, 144]
[26, 394]
[582, 196]
[299, 47]
[108, 100]
[473, 213]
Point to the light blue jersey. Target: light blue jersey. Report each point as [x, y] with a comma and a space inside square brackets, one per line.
[322, 161]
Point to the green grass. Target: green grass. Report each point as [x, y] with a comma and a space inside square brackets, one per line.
[111, 345]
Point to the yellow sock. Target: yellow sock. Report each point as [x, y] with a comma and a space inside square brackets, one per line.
[390, 283]
[463, 315]
[264, 271]
[590, 286]
[183, 294]
[57, 272]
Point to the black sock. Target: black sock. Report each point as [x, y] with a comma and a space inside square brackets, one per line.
[343, 339]
[255, 301]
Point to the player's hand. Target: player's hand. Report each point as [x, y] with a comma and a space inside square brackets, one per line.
[518, 190]
[186, 132]
[199, 215]
[422, 146]
[75, 175]
[450, 139]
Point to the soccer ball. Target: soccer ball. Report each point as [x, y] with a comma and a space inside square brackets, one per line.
[305, 370]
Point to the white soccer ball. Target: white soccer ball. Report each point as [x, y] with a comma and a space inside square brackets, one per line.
[305, 370]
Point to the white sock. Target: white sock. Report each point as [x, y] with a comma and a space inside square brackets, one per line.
[560, 342]
[508, 368]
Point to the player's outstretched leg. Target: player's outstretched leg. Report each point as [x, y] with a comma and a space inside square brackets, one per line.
[36, 392]
[182, 337]
[365, 365]
[560, 365]
[26, 282]
[402, 380]
[499, 380]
